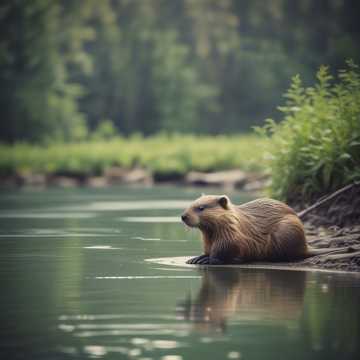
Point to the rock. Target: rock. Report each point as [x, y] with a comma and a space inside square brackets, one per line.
[63, 181]
[138, 176]
[96, 182]
[116, 175]
[227, 179]
[31, 179]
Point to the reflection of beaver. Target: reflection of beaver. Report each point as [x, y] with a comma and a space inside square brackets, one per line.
[251, 295]
[260, 230]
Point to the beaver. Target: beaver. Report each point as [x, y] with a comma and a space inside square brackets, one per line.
[260, 230]
[234, 293]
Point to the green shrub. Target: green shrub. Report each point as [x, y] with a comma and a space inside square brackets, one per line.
[315, 149]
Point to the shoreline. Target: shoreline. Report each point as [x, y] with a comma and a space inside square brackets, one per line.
[180, 261]
[233, 179]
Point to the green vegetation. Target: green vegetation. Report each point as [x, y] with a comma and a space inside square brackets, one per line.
[316, 148]
[164, 155]
[80, 78]
[204, 67]
[37, 99]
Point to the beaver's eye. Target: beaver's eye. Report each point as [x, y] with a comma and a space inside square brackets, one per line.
[201, 208]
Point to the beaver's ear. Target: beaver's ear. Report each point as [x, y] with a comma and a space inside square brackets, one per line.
[224, 201]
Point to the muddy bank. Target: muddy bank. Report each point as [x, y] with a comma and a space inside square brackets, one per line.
[334, 223]
[334, 238]
[341, 208]
[181, 261]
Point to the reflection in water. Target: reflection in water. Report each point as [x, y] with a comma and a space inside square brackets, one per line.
[243, 295]
[331, 321]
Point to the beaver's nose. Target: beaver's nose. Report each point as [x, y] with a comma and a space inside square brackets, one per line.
[184, 217]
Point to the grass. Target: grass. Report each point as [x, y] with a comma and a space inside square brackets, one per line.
[315, 149]
[164, 155]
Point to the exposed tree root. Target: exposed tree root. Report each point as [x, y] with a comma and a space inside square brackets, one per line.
[328, 198]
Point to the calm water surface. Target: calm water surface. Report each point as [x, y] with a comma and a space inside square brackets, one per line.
[75, 284]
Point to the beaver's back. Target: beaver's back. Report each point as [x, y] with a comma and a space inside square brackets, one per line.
[266, 213]
[277, 228]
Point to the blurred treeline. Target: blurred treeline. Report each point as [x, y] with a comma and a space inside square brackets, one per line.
[70, 67]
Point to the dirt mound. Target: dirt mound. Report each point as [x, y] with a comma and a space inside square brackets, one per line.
[341, 210]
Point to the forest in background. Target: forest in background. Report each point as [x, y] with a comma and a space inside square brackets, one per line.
[72, 68]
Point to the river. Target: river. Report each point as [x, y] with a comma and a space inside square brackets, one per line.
[76, 284]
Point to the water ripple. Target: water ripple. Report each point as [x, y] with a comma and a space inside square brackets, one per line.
[95, 317]
[130, 205]
[46, 215]
[151, 219]
[148, 277]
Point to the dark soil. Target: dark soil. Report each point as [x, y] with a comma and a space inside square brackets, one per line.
[334, 237]
[335, 224]
[342, 211]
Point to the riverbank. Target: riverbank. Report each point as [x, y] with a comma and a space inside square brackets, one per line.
[160, 158]
[114, 176]
[336, 224]
[179, 159]
[333, 237]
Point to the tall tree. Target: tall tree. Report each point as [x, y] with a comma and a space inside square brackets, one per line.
[36, 99]
[206, 66]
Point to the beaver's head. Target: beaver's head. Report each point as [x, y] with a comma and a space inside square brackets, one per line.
[206, 211]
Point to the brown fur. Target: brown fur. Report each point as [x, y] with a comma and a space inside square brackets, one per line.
[234, 293]
[259, 230]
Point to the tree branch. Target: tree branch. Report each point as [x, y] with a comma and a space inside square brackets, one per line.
[326, 199]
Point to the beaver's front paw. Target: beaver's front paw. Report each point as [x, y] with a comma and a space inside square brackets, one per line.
[200, 260]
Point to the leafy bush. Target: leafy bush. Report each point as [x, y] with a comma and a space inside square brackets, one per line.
[315, 149]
